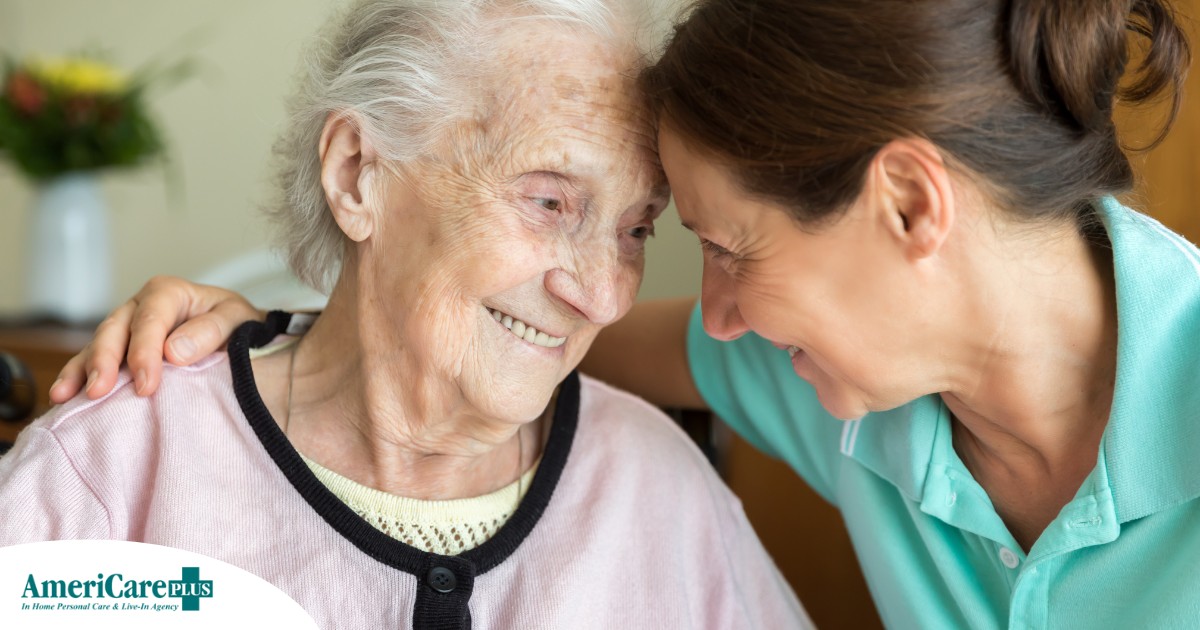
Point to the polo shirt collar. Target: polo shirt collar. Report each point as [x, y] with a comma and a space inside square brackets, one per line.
[897, 445]
[1154, 429]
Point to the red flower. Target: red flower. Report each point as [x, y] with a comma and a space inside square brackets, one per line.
[26, 94]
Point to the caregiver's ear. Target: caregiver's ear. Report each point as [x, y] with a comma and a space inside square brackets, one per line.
[347, 166]
[914, 195]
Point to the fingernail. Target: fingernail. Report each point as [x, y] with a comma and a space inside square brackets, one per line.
[55, 383]
[139, 381]
[91, 380]
[183, 347]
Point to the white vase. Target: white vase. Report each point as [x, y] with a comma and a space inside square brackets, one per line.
[68, 259]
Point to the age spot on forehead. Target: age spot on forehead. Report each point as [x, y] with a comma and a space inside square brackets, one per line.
[568, 87]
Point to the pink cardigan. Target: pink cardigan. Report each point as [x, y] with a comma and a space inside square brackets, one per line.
[625, 524]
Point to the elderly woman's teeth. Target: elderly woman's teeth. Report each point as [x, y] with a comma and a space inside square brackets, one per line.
[526, 332]
[792, 350]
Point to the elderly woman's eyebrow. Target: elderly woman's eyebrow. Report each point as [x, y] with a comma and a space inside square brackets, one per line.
[560, 174]
[661, 194]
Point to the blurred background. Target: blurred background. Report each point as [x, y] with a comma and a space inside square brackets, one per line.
[219, 125]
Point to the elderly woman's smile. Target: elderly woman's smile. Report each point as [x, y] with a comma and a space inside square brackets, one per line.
[526, 331]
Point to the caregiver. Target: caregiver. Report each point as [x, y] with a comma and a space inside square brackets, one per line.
[909, 206]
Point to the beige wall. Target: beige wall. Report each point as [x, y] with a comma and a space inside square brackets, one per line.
[220, 126]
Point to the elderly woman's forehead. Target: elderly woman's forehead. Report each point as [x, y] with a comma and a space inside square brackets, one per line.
[552, 99]
[574, 96]
[579, 86]
[539, 53]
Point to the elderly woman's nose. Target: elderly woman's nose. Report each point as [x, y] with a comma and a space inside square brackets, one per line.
[595, 289]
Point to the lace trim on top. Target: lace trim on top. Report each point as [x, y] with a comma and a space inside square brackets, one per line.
[446, 528]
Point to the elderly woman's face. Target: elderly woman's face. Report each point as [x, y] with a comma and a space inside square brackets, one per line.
[506, 255]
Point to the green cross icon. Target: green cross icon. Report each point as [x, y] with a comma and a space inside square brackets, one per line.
[191, 597]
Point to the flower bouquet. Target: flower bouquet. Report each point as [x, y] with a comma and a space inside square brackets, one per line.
[62, 121]
[74, 115]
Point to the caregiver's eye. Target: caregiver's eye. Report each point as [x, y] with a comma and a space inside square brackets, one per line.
[552, 205]
[716, 250]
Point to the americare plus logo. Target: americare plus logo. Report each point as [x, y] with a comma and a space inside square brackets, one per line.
[189, 589]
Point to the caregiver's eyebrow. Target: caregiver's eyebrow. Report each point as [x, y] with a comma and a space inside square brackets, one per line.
[698, 230]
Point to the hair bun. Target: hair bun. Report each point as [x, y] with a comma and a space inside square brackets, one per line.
[1069, 57]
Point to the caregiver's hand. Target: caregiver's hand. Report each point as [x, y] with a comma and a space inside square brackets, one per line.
[197, 318]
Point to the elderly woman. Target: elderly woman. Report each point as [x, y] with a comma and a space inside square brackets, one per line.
[476, 181]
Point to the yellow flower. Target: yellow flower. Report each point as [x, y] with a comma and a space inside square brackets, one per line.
[79, 76]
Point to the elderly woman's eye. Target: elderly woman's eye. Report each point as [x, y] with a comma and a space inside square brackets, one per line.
[553, 205]
[642, 232]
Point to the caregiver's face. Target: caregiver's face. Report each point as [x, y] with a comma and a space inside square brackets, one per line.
[526, 234]
[824, 294]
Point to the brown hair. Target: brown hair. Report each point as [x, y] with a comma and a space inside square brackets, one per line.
[795, 97]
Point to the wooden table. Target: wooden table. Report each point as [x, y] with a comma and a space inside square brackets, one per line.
[44, 348]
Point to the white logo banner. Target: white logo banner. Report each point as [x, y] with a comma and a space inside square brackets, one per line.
[126, 585]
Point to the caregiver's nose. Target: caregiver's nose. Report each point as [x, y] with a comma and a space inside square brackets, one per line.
[718, 306]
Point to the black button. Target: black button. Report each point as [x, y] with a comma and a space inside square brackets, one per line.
[441, 579]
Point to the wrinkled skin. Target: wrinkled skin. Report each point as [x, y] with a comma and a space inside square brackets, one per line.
[539, 206]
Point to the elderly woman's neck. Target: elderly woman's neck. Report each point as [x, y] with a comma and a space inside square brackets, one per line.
[363, 405]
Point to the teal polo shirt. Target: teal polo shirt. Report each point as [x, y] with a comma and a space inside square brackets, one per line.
[1124, 553]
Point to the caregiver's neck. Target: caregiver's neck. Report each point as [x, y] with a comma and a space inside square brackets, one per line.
[366, 406]
[1034, 356]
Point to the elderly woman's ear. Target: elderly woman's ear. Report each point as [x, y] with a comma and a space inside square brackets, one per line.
[347, 170]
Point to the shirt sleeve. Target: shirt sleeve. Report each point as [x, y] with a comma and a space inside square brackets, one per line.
[750, 385]
[42, 495]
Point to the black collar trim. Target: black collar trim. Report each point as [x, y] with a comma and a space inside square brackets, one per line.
[371, 541]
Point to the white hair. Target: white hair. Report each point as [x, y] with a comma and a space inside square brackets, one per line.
[393, 64]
